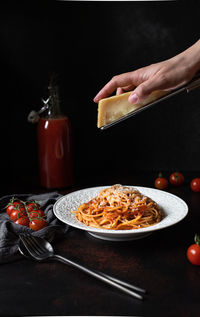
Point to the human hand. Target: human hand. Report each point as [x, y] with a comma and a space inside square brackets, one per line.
[166, 75]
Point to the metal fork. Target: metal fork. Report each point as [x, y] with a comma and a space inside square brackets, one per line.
[40, 250]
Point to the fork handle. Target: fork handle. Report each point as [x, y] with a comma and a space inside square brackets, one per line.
[103, 277]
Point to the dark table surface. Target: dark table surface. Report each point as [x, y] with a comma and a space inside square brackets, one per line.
[157, 263]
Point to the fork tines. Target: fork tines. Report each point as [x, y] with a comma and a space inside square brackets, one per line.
[32, 245]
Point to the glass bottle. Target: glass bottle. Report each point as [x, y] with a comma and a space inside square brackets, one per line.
[54, 139]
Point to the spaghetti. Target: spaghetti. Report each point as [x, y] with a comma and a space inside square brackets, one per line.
[119, 208]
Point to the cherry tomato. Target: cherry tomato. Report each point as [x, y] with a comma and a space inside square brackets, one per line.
[161, 183]
[176, 179]
[16, 214]
[32, 206]
[193, 252]
[36, 214]
[12, 205]
[22, 221]
[37, 224]
[195, 184]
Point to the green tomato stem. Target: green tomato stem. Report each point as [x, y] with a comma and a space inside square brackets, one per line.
[197, 239]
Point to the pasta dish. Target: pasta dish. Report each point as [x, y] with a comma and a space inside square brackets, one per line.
[119, 208]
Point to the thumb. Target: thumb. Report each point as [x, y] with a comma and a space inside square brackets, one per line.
[143, 90]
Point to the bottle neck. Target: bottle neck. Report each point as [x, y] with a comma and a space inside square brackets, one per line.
[53, 110]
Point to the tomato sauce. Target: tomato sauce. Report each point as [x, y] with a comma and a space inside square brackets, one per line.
[55, 155]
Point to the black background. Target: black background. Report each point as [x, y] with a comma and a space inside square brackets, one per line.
[86, 43]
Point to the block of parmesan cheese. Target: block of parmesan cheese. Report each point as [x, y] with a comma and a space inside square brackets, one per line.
[115, 107]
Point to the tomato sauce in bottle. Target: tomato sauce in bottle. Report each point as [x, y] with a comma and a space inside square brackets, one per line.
[54, 138]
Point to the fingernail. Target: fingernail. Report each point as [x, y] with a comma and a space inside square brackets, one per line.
[133, 98]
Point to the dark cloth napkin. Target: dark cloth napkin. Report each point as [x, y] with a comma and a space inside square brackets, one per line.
[9, 231]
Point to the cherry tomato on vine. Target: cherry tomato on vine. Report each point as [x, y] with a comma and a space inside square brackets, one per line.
[24, 221]
[161, 183]
[195, 185]
[37, 224]
[36, 214]
[16, 214]
[176, 179]
[13, 205]
[30, 206]
[193, 252]
[27, 213]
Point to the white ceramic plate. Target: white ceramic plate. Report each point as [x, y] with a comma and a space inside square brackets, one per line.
[174, 208]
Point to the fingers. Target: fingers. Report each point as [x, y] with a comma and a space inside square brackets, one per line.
[122, 90]
[119, 91]
[140, 93]
[144, 89]
[117, 82]
[146, 80]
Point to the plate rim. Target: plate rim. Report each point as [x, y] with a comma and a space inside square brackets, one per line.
[113, 232]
